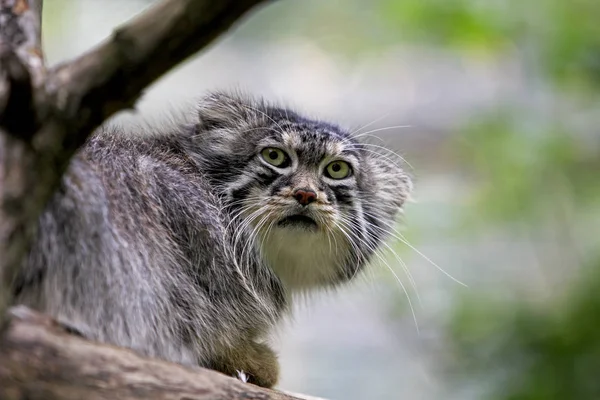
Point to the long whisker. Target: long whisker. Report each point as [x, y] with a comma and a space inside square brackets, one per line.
[397, 235]
[239, 268]
[253, 233]
[406, 270]
[362, 146]
[235, 216]
[382, 259]
[265, 114]
[398, 258]
[387, 128]
[369, 124]
[402, 264]
[353, 245]
[250, 245]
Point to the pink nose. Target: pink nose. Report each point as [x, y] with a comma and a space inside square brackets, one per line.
[305, 196]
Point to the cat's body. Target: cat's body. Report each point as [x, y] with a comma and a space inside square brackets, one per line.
[187, 245]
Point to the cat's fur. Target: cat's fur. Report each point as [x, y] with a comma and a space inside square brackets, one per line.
[171, 244]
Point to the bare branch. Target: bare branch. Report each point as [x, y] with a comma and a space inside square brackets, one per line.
[40, 360]
[112, 76]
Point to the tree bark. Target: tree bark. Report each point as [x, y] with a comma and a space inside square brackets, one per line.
[39, 360]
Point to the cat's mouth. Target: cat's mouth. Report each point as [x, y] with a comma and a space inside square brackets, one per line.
[298, 221]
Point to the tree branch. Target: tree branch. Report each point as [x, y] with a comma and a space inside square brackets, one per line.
[21, 64]
[20, 30]
[112, 76]
[21, 70]
[39, 360]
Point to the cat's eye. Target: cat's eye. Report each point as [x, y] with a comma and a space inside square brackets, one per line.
[338, 170]
[275, 157]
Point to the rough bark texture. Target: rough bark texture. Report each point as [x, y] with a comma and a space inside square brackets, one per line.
[39, 360]
[21, 69]
[45, 116]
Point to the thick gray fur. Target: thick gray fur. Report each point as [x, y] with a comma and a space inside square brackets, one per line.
[149, 243]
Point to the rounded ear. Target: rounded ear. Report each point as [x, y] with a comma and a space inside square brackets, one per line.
[225, 110]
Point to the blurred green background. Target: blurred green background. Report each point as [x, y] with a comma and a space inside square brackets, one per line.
[501, 99]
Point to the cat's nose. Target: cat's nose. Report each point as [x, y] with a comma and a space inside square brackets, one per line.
[305, 196]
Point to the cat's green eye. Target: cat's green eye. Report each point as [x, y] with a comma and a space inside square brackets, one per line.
[338, 170]
[275, 157]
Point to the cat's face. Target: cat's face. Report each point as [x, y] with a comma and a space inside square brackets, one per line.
[317, 201]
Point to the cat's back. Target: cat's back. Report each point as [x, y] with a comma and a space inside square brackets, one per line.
[151, 175]
[119, 239]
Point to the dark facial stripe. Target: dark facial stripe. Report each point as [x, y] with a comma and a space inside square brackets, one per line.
[343, 194]
[241, 193]
[283, 181]
[266, 178]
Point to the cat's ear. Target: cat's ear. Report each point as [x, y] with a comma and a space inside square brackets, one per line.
[225, 110]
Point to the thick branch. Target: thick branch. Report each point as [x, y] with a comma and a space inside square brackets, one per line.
[19, 117]
[40, 360]
[21, 69]
[21, 65]
[112, 76]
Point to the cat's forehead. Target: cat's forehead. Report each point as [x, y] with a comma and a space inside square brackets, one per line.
[312, 140]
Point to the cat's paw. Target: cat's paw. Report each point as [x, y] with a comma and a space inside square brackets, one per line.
[241, 375]
[250, 362]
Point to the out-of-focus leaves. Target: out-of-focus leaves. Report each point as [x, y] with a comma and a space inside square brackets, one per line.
[527, 352]
[459, 23]
[560, 38]
[525, 165]
[529, 167]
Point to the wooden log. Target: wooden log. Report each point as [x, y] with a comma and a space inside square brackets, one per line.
[40, 360]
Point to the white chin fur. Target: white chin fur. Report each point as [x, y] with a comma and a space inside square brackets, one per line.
[304, 259]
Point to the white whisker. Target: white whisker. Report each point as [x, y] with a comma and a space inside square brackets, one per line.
[369, 124]
[397, 235]
[382, 259]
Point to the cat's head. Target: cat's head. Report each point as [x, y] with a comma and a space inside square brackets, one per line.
[318, 201]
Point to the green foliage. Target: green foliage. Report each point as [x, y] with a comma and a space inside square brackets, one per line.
[525, 165]
[526, 352]
[557, 37]
[560, 38]
[456, 23]
[533, 167]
